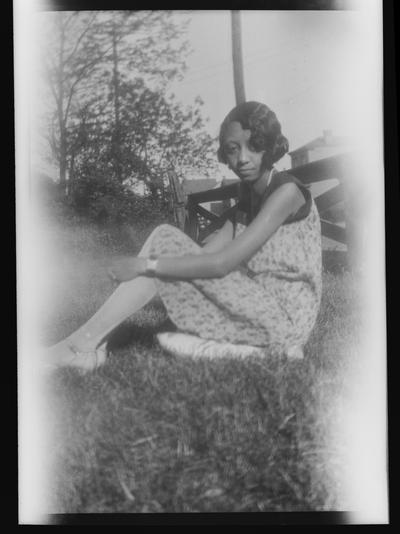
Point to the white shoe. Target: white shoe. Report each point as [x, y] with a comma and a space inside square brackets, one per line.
[188, 345]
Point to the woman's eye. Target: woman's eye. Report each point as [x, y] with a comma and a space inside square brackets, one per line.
[253, 147]
[256, 143]
[231, 149]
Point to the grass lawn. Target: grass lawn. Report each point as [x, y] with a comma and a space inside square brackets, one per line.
[149, 432]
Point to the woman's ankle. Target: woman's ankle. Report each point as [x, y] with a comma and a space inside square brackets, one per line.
[83, 342]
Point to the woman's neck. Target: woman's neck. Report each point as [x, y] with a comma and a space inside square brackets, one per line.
[260, 185]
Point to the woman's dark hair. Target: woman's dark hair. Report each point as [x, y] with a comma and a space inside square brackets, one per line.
[265, 131]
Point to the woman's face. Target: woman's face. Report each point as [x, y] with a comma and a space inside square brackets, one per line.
[241, 156]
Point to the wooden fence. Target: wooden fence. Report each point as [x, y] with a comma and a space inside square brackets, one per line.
[198, 222]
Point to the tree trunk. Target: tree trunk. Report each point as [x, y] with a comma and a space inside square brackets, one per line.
[60, 113]
[71, 174]
[116, 148]
[63, 163]
[237, 58]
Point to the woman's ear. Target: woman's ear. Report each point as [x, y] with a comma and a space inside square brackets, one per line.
[267, 160]
[280, 149]
[221, 156]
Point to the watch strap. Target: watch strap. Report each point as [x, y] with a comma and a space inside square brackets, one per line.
[151, 266]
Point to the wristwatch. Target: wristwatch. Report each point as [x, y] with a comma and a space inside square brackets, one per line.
[151, 266]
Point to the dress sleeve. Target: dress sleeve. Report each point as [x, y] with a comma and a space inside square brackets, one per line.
[304, 210]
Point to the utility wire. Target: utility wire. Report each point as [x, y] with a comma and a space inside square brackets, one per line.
[252, 59]
[302, 91]
[259, 52]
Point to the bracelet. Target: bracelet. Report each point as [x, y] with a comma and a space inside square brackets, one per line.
[151, 266]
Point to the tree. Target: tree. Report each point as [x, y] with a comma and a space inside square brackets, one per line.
[75, 54]
[113, 122]
[156, 136]
[145, 45]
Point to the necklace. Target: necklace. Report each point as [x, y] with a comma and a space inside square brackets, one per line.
[271, 172]
[268, 182]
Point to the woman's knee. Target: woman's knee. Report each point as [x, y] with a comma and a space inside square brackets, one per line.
[164, 232]
[167, 239]
[166, 228]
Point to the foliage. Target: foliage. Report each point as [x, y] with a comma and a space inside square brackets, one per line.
[155, 137]
[104, 200]
[70, 55]
[114, 124]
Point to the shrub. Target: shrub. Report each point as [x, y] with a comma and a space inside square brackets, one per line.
[104, 200]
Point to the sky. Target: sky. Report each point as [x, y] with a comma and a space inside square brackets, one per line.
[312, 68]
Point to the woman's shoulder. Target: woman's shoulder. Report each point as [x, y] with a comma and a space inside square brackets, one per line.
[284, 177]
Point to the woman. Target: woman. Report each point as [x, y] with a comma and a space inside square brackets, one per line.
[257, 284]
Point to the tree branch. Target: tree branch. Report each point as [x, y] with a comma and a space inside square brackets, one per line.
[79, 40]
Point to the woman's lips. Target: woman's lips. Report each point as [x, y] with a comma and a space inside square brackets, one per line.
[246, 172]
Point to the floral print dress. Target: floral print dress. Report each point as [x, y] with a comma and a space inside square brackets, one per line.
[272, 301]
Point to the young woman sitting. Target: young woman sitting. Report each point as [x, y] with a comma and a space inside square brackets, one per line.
[254, 288]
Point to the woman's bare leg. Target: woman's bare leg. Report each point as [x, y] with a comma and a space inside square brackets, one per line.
[128, 298]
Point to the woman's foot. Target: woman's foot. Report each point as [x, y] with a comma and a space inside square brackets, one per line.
[66, 354]
[188, 345]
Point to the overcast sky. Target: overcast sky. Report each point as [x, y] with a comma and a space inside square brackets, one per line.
[313, 68]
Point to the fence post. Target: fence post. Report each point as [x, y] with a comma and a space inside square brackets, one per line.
[354, 199]
[354, 228]
[177, 200]
[192, 223]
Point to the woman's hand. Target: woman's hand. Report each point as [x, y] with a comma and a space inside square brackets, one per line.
[125, 269]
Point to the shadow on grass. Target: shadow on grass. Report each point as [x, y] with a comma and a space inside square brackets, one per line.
[335, 261]
[130, 333]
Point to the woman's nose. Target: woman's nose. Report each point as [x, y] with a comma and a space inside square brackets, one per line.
[243, 155]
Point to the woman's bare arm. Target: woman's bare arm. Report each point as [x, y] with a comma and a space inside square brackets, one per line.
[285, 201]
[221, 238]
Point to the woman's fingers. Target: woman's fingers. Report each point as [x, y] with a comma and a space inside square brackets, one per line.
[113, 276]
[122, 270]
